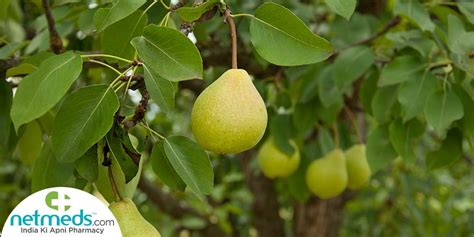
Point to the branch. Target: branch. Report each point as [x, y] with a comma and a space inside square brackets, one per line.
[140, 111]
[55, 42]
[392, 23]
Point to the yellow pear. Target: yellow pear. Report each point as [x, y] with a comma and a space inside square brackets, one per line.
[327, 177]
[131, 222]
[230, 115]
[358, 169]
[276, 163]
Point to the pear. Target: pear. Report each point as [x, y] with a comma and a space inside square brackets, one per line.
[230, 115]
[276, 163]
[131, 222]
[358, 169]
[327, 177]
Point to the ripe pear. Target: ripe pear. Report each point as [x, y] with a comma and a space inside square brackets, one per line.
[230, 115]
[327, 177]
[276, 163]
[131, 222]
[358, 169]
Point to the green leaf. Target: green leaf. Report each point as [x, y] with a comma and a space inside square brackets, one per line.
[42, 89]
[22, 69]
[297, 182]
[304, 116]
[368, 88]
[128, 159]
[344, 8]
[281, 131]
[161, 90]
[87, 166]
[461, 44]
[414, 10]
[163, 168]
[9, 49]
[191, 163]
[169, 53]
[6, 126]
[48, 172]
[402, 68]
[84, 118]
[404, 137]
[190, 14]
[328, 91]
[380, 151]
[29, 145]
[359, 58]
[281, 38]
[467, 8]
[382, 103]
[442, 109]
[413, 94]
[449, 152]
[414, 39]
[124, 30]
[120, 9]
[467, 123]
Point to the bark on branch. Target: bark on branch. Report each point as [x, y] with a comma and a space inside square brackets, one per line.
[55, 42]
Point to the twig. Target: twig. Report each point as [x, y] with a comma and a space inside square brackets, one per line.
[140, 111]
[392, 23]
[233, 34]
[55, 42]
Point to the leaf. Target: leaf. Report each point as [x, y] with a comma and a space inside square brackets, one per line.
[191, 14]
[368, 88]
[42, 89]
[128, 159]
[467, 124]
[84, 118]
[402, 68]
[414, 10]
[449, 152]
[359, 58]
[329, 93]
[297, 182]
[191, 163]
[6, 126]
[29, 145]
[120, 9]
[22, 69]
[281, 131]
[87, 166]
[467, 8]
[442, 109]
[283, 39]
[413, 94]
[344, 8]
[161, 90]
[163, 168]
[125, 29]
[304, 116]
[404, 137]
[9, 49]
[48, 172]
[169, 53]
[382, 103]
[414, 39]
[380, 151]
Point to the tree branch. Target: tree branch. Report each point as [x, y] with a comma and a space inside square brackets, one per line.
[140, 111]
[55, 42]
[390, 24]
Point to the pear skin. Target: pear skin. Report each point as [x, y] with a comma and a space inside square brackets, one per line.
[275, 163]
[229, 116]
[358, 169]
[131, 222]
[327, 177]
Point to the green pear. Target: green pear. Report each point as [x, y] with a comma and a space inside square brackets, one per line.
[131, 222]
[276, 163]
[230, 115]
[327, 177]
[358, 169]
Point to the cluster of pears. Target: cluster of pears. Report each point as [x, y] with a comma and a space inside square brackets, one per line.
[131, 222]
[329, 176]
[229, 116]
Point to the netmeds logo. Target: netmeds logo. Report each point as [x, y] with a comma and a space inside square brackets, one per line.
[61, 212]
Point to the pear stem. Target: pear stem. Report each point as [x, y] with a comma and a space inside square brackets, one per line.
[336, 134]
[233, 34]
